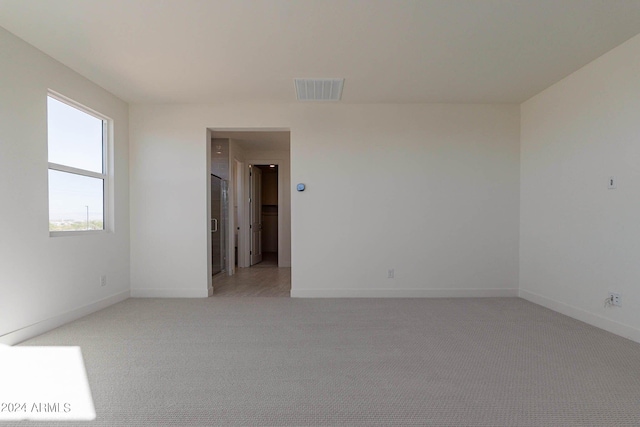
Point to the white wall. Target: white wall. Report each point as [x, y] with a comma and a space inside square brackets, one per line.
[429, 190]
[46, 281]
[220, 161]
[580, 240]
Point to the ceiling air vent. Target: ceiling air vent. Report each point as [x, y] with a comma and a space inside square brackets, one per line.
[319, 89]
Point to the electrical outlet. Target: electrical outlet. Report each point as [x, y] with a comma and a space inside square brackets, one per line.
[612, 185]
[614, 297]
[391, 273]
[103, 280]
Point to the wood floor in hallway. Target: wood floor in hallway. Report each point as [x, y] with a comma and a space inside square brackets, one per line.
[254, 282]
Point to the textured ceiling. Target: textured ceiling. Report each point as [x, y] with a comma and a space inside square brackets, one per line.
[389, 51]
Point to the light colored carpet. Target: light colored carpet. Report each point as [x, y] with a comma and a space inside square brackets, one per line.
[351, 362]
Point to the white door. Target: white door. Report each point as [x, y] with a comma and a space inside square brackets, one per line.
[256, 215]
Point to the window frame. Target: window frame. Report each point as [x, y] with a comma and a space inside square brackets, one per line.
[105, 176]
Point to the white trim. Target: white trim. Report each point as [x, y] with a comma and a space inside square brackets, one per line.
[47, 325]
[75, 233]
[76, 171]
[70, 102]
[250, 129]
[206, 223]
[170, 293]
[404, 293]
[592, 319]
[109, 211]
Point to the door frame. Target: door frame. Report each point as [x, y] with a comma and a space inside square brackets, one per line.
[243, 236]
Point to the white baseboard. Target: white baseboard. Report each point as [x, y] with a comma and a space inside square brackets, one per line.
[403, 293]
[47, 325]
[169, 293]
[598, 321]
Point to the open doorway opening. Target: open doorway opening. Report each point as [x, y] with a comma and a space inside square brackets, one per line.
[264, 215]
[259, 211]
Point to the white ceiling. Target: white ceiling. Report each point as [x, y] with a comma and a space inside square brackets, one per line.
[389, 51]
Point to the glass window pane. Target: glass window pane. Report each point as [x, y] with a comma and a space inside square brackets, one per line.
[75, 137]
[75, 202]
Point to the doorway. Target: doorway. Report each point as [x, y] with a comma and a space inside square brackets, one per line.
[234, 154]
[264, 215]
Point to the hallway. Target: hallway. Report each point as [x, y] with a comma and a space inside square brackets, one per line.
[254, 282]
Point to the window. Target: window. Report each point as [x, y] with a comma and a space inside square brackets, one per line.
[78, 178]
